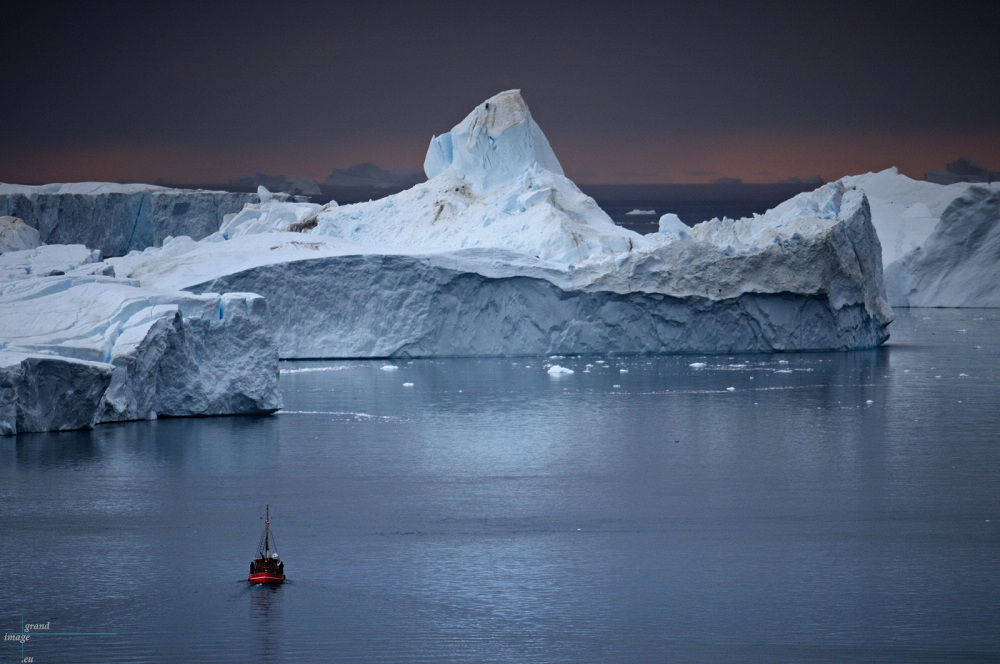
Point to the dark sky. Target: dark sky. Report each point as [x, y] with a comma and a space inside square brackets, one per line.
[626, 92]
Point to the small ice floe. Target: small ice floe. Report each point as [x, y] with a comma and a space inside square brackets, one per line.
[782, 361]
[963, 375]
[389, 367]
[730, 389]
[311, 370]
[556, 370]
[640, 213]
[616, 386]
[600, 361]
[697, 365]
[937, 376]
[869, 402]
[623, 371]
[407, 384]
[782, 371]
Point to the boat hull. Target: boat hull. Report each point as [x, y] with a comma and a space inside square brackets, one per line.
[266, 577]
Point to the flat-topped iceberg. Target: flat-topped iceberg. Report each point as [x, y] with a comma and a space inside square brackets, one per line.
[940, 243]
[78, 347]
[498, 253]
[117, 218]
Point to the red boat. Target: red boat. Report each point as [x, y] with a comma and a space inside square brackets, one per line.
[267, 567]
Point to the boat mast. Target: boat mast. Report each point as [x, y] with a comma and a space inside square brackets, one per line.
[267, 528]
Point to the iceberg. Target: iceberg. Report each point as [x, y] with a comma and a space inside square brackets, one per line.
[498, 253]
[117, 218]
[940, 243]
[49, 393]
[79, 347]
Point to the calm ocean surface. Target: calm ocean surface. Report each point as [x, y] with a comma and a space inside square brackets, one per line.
[821, 507]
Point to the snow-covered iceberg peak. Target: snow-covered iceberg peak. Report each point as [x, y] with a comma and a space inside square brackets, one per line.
[495, 143]
[494, 184]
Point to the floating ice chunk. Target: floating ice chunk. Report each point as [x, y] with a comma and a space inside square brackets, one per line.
[312, 370]
[623, 371]
[389, 367]
[134, 350]
[697, 365]
[730, 389]
[407, 384]
[640, 213]
[556, 370]
[671, 223]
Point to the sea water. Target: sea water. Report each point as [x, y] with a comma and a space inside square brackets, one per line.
[828, 507]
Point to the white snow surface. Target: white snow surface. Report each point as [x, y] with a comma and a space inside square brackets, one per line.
[494, 182]
[50, 260]
[671, 223]
[80, 188]
[270, 214]
[940, 243]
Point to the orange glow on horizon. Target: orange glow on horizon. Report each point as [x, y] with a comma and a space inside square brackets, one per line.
[751, 157]
[772, 157]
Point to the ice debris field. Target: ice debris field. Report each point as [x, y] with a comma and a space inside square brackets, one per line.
[131, 301]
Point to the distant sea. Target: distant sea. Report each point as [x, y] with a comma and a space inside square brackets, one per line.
[693, 203]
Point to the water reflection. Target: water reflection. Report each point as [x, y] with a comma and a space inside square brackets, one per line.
[266, 622]
[64, 448]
